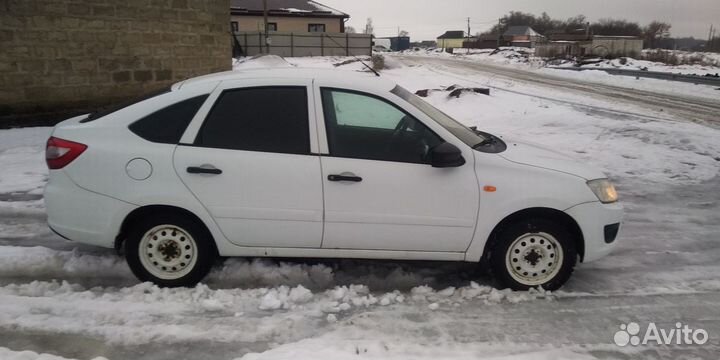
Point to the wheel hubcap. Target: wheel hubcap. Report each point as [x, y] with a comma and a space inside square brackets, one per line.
[534, 258]
[168, 252]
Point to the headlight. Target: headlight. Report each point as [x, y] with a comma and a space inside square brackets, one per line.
[604, 190]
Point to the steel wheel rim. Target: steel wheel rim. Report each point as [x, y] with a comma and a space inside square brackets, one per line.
[168, 252]
[534, 258]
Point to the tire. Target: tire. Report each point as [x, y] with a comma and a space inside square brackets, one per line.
[532, 253]
[170, 250]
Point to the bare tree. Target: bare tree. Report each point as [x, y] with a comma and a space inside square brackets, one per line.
[654, 31]
[369, 27]
[616, 27]
[350, 30]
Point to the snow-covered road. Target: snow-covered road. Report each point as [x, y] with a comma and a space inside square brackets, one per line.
[81, 302]
[681, 100]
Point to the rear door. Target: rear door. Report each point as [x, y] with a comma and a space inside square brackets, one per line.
[251, 163]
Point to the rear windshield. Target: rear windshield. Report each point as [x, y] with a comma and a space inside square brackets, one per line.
[113, 108]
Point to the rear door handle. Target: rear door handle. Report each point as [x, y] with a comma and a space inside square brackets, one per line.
[349, 177]
[205, 169]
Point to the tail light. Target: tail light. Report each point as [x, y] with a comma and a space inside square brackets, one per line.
[59, 152]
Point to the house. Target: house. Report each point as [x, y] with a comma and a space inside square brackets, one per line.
[451, 39]
[595, 45]
[523, 36]
[295, 16]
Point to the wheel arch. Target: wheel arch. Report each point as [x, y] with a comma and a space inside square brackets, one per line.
[150, 210]
[542, 212]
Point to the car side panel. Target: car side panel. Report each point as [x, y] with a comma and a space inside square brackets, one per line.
[519, 187]
[102, 168]
[81, 215]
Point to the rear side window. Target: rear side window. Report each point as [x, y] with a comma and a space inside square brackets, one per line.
[168, 125]
[267, 119]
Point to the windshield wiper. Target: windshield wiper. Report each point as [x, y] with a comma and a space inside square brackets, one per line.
[488, 139]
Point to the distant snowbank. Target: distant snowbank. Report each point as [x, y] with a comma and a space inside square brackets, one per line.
[698, 63]
[7, 354]
[334, 347]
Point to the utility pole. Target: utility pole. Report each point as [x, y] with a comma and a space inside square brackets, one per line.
[710, 33]
[499, 32]
[468, 37]
[708, 44]
[265, 15]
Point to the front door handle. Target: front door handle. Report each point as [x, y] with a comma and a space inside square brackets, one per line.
[345, 177]
[205, 169]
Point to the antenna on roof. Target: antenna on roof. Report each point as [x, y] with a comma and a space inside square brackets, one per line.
[356, 58]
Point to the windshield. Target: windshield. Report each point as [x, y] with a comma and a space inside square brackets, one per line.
[462, 132]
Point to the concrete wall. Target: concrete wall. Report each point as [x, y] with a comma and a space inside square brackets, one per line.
[614, 47]
[63, 57]
[599, 46]
[286, 23]
[557, 49]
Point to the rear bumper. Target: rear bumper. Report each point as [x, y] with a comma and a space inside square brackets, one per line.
[600, 224]
[80, 215]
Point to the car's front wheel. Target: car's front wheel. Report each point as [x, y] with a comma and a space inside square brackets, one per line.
[169, 250]
[533, 253]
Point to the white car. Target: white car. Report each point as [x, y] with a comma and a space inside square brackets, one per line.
[321, 164]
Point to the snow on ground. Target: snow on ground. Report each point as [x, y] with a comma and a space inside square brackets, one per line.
[24, 170]
[699, 63]
[82, 302]
[645, 84]
[523, 59]
[513, 56]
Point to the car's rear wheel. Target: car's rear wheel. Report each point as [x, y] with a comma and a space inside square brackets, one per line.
[533, 253]
[169, 250]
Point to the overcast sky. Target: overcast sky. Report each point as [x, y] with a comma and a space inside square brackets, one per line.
[426, 19]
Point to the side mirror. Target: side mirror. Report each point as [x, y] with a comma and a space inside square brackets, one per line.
[446, 155]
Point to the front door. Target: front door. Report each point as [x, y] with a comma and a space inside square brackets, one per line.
[380, 191]
[252, 167]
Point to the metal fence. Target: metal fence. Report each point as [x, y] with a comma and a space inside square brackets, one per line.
[288, 44]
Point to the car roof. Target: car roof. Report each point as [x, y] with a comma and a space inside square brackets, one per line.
[360, 79]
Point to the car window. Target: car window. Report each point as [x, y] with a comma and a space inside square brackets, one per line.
[168, 125]
[462, 132]
[359, 110]
[364, 126]
[268, 119]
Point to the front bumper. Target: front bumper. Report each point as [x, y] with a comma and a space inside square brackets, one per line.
[600, 224]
